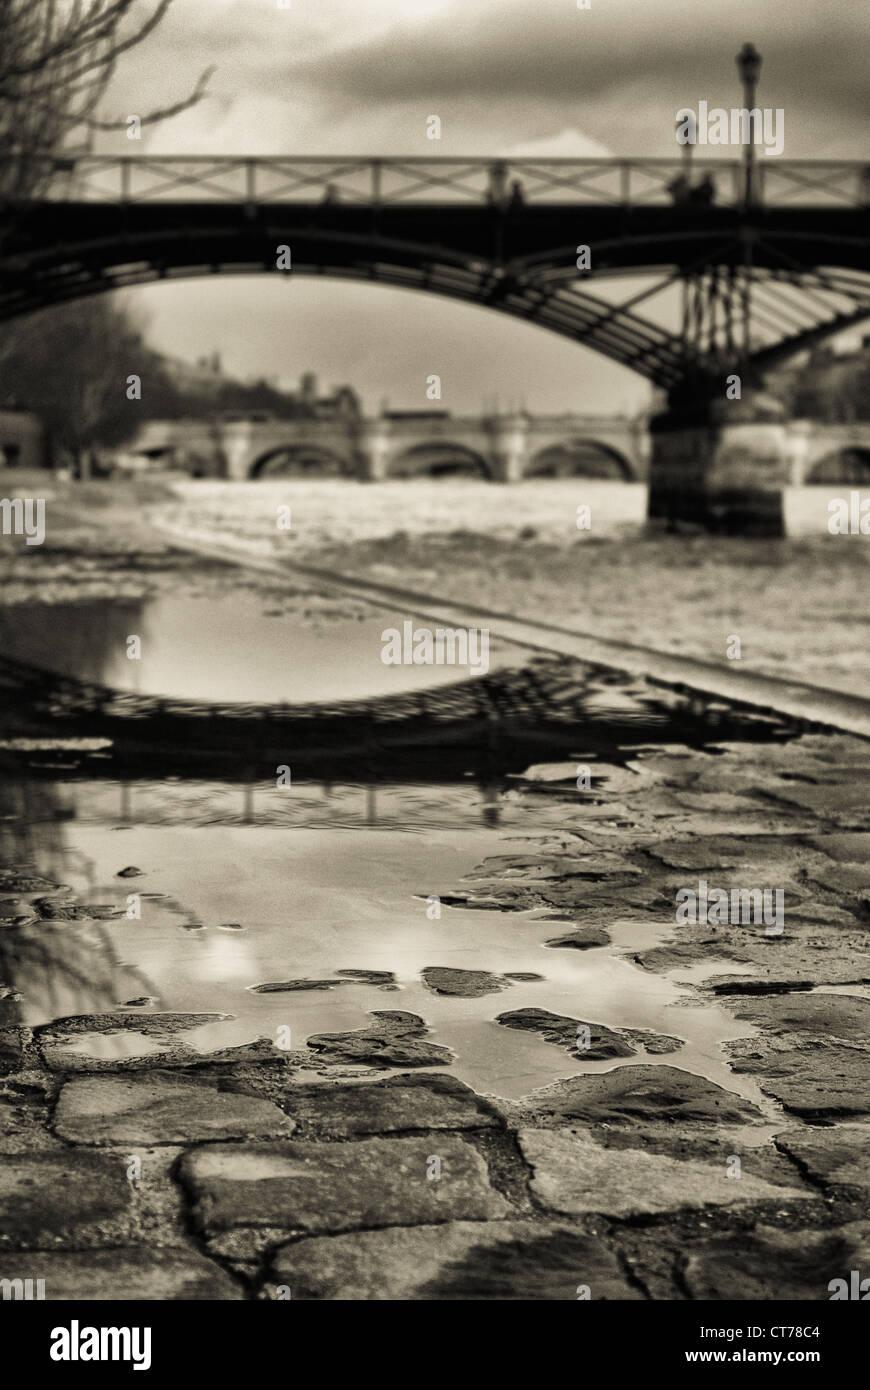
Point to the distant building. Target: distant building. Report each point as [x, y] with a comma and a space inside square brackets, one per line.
[342, 403]
[206, 386]
[204, 377]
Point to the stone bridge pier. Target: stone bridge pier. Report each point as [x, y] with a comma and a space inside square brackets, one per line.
[509, 449]
[725, 465]
[374, 447]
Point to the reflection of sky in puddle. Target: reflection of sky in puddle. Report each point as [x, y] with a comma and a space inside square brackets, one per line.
[316, 901]
[221, 647]
[113, 1046]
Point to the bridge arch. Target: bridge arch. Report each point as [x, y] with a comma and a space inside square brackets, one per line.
[850, 463]
[439, 458]
[576, 457]
[298, 459]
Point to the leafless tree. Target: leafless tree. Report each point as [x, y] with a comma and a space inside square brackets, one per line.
[57, 59]
[71, 364]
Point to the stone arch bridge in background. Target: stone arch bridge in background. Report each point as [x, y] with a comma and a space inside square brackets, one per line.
[503, 448]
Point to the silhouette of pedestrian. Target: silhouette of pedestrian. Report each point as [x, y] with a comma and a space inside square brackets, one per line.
[497, 177]
[704, 193]
[680, 190]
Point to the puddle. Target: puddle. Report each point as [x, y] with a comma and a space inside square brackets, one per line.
[113, 1046]
[236, 647]
[243, 882]
[315, 902]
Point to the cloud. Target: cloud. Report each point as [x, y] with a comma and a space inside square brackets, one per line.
[569, 143]
[552, 52]
[334, 75]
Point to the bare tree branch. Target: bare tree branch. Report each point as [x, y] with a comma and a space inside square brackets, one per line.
[57, 60]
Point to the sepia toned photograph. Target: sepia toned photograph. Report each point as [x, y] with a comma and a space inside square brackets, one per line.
[434, 676]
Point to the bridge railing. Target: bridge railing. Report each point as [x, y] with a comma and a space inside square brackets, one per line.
[437, 179]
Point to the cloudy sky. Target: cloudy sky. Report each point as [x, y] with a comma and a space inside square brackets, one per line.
[505, 77]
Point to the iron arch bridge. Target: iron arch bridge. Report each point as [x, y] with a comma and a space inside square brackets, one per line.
[757, 278]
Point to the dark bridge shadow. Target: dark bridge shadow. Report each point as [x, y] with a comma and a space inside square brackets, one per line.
[493, 725]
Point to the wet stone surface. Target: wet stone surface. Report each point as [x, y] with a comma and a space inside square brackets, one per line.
[298, 1186]
[161, 1109]
[135, 1276]
[589, 1040]
[818, 1082]
[467, 984]
[639, 1097]
[55, 1200]
[805, 1262]
[581, 939]
[384, 979]
[572, 1174]
[830, 1157]
[395, 1039]
[359, 1164]
[459, 1260]
[287, 986]
[416, 1102]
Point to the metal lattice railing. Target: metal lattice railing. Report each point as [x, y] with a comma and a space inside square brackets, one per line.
[437, 179]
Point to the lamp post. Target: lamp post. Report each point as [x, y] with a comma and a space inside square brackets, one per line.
[749, 67]
[684, 181]
[688, 150]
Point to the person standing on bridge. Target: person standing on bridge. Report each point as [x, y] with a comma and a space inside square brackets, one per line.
[496, 193]
[704, 193]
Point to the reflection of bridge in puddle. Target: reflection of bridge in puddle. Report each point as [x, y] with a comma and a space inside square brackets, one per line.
[489, 727]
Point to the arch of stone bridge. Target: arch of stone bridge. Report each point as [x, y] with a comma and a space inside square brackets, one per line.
[437, 458]
[552, 457]
[844, 463]
[301, 460]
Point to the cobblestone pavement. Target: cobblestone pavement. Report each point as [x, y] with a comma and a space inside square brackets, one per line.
[358, 1167]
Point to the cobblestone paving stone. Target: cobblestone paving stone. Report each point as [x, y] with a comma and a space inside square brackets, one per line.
[173, 1174]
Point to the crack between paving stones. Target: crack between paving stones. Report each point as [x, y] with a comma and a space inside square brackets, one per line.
[198, 1241]
[630, 1274]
